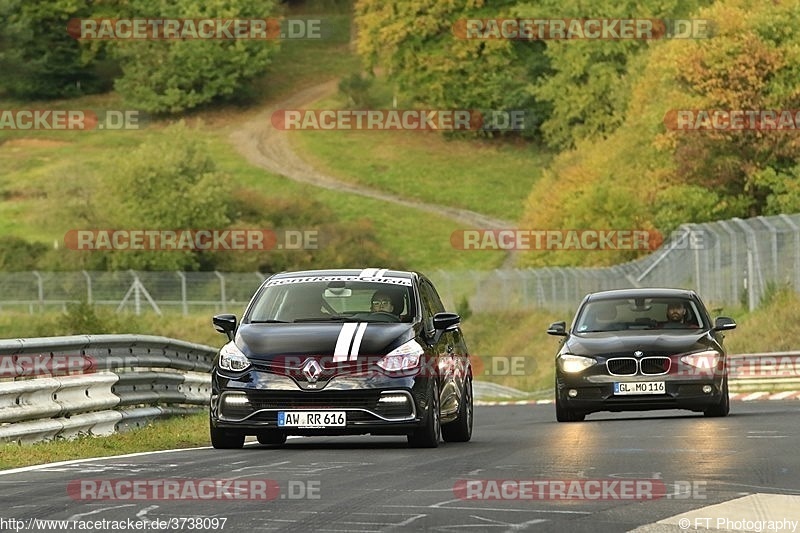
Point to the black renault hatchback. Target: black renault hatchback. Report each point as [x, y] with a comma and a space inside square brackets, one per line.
[641, 349]
[342, 352]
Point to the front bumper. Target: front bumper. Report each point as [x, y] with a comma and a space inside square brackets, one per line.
[598, 395]
[376, 403]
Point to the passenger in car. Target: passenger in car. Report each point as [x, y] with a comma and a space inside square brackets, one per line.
[386, 302]
[677, 316]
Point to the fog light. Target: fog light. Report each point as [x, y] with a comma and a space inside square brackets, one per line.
[707, 389]
[572, 393]
[236, 400]
[393, 398]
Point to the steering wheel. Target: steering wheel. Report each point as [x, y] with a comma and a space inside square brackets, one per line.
[386, 314]
[329, 308]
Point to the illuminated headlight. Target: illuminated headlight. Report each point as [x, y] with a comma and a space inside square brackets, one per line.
[231, 358]
[404, 357]
[236, 400]
[707, 359]
[574, 363]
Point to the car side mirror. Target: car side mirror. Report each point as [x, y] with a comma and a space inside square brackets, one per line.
[558, 328]
[225, 324]
[723, 322]
[444, 321]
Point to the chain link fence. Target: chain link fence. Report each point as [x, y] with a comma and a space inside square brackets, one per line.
[132, 291]
[729, 263]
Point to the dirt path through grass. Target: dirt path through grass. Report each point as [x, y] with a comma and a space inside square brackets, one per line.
[269, 148]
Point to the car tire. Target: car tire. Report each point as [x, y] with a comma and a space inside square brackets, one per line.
[460, 430]
[222, 439]
[564, 414]
[429, 434]
[724, 405]
[271, 436]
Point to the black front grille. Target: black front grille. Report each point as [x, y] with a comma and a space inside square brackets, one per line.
[356, 402]
[621, 366]
[395, 410]
[314, 400]
[655, 365]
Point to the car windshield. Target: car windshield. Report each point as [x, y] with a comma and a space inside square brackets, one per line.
[639, 314]
[308, 300]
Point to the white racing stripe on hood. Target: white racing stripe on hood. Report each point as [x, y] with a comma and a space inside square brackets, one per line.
[362, 327]
[344, 341]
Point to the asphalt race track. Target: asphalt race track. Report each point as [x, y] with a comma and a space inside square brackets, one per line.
[649, 472]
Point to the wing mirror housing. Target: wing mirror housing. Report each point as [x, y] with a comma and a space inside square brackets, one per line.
[226, 324]
[558, 328]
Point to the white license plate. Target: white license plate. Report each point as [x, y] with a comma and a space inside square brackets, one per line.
[315, 419]
[639, 387]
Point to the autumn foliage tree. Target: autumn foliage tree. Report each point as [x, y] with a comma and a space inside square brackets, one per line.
[646, 174]
[414, 43]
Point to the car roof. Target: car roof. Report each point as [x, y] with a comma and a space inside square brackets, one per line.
[643, 292]
[357, 272]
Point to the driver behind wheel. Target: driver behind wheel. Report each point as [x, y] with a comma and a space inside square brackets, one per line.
[382, 301]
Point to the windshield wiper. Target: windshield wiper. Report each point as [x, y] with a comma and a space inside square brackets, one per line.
[270, 321]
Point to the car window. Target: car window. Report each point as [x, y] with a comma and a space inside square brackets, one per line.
[436, 303]
[304, 301]
[639, 313]
[429, 304]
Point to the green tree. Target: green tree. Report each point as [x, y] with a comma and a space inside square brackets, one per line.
[169, 182]
[170, 76]
[17, 254]
[38, 57]
[589, 88]
[415, 43]
[753, 63]
[645, 175]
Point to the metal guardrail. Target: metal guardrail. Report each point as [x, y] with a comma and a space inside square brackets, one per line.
[756, 372]
[750, 372]
[60, 387]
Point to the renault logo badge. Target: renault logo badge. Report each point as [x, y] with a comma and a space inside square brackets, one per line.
[312, 370]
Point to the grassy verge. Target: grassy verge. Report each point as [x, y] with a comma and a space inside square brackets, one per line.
[179, 432]
[488, 177]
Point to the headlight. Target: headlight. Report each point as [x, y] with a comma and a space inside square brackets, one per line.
[705, 359]
[404, 357]
[574, 363]
[231, 358]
